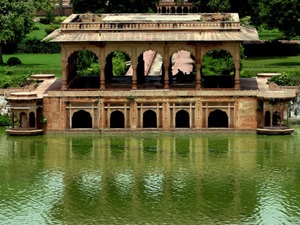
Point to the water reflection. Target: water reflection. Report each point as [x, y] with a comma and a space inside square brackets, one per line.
[150, 178]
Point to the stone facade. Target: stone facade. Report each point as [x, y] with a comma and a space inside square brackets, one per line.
[168, 100]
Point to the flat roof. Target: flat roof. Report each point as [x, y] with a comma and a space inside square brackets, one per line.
[153, 27]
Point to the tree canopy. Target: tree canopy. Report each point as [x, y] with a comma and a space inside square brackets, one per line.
[16, 19]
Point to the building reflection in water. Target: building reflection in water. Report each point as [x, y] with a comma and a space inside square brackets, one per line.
[213, 176]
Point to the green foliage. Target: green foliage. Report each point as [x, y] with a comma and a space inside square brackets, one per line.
[8, 70]
[119, 63]
[49, 30]
[287, 79]
[13, 81]
[5, 120]
[16, 19]
[34, 45]
[59, 19]
[87, 63]
[12, 61]
[217, 62]
[283, 15]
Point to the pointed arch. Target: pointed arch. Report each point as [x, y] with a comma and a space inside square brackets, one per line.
[218, 118]
[276, 118]
[149, 119]
[81, 119]
[182, 119]
[32, 121]
[23, 120]
[117, 119]
[267, 118]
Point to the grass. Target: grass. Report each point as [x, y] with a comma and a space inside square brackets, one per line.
[34, 64]
[269, 34]
[280, 64]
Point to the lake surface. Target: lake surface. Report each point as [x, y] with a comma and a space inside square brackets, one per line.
[174, 178]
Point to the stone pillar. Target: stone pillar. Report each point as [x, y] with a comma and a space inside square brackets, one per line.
[237, 74]
[198, 76]
[134, 77]
[102, 73]
[166, 67]
[65, 73]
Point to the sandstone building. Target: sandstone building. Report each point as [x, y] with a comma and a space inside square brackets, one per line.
[164, 88]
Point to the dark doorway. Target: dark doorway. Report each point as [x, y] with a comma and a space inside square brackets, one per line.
[182, 119]
[31, 119]
[218, 118]
[81, 119]
[276, 118]
[117, 120]
[267, 119]
[149, 119]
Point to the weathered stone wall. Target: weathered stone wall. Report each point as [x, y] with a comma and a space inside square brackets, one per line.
[241, 111]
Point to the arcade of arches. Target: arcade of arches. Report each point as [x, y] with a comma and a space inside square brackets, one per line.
[150, 64]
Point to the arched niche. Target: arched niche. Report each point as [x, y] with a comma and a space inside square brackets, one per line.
[83, 70]
[23, 120]
[267, 118]
[150, 68]
[81, 119]
[218, 69]
[118, 69]
[182, 119]
[117, 119]
[149, 119]
[218, 119]
[182, 68]
[32, 120]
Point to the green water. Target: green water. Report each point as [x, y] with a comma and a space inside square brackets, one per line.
[150, 179]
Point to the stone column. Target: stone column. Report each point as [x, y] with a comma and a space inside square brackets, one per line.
[134, 77]
[166, 67]
[65, 73]
[198, 76]
[237, 74]
[102, 73]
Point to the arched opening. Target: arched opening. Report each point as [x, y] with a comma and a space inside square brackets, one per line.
[23, 121]
[172, 10]
[179, 10]
[218, 69]
[194, 10]
[81, 119]
[185, 10]
[164, 10]
[118, 70]
[31, 119]
[182, 119]
[267, 119]
[150, 69]
[149, 119]
[182, 69]
[218, 118]
[117, 120]
[84, 70]
[276, 119]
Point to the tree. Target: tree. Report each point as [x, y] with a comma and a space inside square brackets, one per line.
[16, 20]
[283, 14]
[91, 6]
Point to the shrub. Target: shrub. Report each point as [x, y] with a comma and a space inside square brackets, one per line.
[12, 61]
[34, 45]
[287, 79]
[5, 120]
[51, 29]
[45, 20]
[59, 19]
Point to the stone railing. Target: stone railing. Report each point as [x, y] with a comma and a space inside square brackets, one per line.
[130, 26]
[156, 93]
[283, 93]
